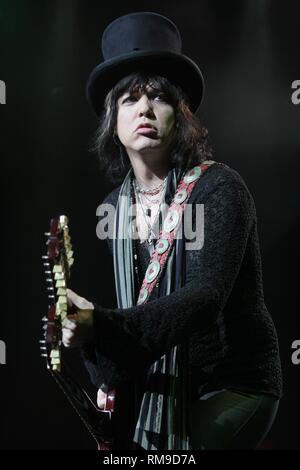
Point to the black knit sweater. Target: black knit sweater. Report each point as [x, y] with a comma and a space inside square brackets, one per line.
[220, 309]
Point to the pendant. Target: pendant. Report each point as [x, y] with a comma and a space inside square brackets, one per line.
[150, 241]
[148, 212]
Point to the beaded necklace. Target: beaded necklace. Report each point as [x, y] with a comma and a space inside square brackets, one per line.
[151, 231]
[135, 255]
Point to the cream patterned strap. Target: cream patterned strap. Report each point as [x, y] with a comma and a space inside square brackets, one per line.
[170, 227]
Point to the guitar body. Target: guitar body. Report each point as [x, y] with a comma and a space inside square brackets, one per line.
[57, 263]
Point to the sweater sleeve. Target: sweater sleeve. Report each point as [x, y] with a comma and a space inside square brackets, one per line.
[138, 336]
[104, 373]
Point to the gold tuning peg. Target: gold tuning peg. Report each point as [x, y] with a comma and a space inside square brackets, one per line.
[57, 268]
[58, 276]
[63, 219]
[61, 292]
[60, 283]
[62, 299]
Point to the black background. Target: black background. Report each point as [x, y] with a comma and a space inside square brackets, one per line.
[248, 51]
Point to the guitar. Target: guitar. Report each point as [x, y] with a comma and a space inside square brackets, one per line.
[57, 264]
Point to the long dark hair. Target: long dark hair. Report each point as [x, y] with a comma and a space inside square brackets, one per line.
[190, 139]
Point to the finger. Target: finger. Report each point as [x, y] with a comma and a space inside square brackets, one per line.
[101, 399]
[67, 336]
[70, 324]
[66, 343]
[76, 299]
[71, 297]
[101, 404]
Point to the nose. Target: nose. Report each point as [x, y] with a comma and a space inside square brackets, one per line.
[145, 106]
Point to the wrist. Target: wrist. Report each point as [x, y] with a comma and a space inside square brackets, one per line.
[85, 317]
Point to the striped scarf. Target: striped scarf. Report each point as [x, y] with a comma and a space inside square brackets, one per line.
[163, 422]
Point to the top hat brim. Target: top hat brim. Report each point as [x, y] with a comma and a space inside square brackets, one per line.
[177, 68]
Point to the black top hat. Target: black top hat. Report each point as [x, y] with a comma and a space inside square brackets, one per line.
[146, 42]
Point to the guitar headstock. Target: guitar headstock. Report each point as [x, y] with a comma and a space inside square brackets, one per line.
[57, 263]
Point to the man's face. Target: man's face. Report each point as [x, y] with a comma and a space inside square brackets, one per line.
[150, 109]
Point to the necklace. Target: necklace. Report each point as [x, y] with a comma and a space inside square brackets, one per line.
[152, 199]
[153, 190]
[135, 255]
[149, 200]
[148, 204]
[151, 236]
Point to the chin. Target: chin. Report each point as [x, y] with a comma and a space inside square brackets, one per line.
[154, 144]
[148, 150]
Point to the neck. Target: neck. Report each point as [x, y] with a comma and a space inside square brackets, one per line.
[149, 173]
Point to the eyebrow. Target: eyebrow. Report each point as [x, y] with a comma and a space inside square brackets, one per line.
[147, 92]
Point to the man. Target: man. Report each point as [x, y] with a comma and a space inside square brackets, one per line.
[192, 342]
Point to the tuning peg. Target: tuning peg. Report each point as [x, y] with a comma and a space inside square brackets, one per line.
[63, 219]
[48, 272]
[55, 353]
[60, 283]
[42, 341]
[44, 318]
[51, 296]
[55, 362]
[45, 257]
[44, 355]
[58, 276]
[49, 279]
[47, 234]
[47, 265]
[50, 288]
[57, 269]
[42, 348]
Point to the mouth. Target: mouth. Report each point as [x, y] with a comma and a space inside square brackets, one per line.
[146, 129]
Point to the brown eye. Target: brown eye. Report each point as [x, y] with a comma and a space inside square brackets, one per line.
[129, 98]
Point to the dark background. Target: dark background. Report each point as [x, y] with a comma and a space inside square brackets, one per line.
[248, 51]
